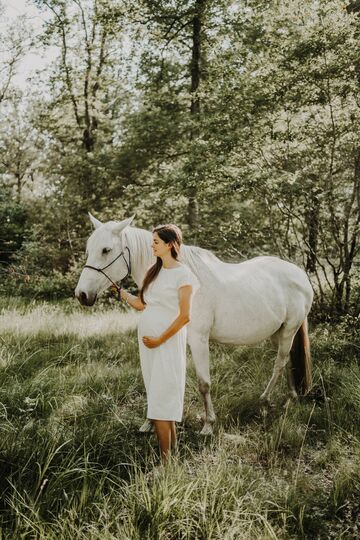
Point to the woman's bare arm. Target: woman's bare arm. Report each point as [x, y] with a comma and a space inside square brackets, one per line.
[133, 301]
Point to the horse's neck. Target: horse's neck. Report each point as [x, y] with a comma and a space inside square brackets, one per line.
[139, 242]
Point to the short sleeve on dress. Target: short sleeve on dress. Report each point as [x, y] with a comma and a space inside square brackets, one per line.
[187, 277]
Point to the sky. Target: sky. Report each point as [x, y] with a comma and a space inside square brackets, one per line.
[33, 59]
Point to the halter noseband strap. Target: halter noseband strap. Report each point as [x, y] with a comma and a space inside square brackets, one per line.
[101, 270]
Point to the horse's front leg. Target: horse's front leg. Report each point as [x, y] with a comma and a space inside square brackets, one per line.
[147, 427]
[199, 345]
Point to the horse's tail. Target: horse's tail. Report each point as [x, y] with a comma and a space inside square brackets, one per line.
[301, 360]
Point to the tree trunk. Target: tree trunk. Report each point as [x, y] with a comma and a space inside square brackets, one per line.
[312, 222]
[193, 209]
[18, 187]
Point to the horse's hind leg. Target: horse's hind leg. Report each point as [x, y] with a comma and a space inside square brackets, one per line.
[289, 371]
[285, 339]
[290, 380]
[199, 346]
[275, 339]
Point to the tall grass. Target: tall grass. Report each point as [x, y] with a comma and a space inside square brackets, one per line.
[73, 464]
[52, 320]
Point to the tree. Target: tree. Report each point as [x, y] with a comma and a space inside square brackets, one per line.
[305, 153]
[20, 147]
[81, 115]
[13, 43]
[13, 218]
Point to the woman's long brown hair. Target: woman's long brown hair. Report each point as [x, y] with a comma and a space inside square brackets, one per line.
[168, 233]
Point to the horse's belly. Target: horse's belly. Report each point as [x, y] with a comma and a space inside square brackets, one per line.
[242, 335]
[246, 327]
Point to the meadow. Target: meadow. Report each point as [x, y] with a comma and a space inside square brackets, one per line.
[73, 464]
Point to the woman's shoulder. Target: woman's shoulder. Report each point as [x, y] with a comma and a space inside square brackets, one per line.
[186, 276]
[183, 269]
[179, 272]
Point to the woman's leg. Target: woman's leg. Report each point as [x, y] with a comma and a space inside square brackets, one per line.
[163, 430]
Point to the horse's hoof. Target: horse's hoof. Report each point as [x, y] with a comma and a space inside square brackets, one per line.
[264, 400]
[266, 403]
[206, 418]
[270, 405]
[147, 427]
[207, 430]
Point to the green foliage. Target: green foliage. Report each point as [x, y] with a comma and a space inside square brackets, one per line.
[14, 224]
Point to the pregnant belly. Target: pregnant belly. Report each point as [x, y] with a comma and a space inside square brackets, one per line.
[154, 320]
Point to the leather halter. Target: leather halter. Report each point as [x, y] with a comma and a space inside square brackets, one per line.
[101, 270]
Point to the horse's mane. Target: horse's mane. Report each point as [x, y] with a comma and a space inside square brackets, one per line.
[203, 262]
[195, 257]
[139, 246]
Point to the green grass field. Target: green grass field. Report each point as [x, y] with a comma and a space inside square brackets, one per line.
[74, 465]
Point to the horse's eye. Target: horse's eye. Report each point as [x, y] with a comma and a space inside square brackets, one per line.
[106, 250]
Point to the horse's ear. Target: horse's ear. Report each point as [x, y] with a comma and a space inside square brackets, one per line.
[119, 227]
[96, 223]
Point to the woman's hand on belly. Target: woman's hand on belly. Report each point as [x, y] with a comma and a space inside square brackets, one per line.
[151, 341]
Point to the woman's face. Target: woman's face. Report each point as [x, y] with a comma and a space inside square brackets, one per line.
[159, 247]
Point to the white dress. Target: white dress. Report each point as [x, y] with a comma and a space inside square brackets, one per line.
[164, 367]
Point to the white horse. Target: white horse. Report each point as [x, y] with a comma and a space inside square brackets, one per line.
[239, 303]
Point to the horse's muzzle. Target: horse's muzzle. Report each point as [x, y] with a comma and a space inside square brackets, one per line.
[86, 299]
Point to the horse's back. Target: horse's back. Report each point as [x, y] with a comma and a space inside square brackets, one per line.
[259, 268]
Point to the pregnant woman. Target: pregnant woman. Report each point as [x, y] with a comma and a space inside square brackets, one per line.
[165, 302]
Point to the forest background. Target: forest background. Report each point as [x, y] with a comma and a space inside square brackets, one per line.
[239, 121]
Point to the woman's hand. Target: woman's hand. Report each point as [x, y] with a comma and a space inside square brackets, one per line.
[151, 341]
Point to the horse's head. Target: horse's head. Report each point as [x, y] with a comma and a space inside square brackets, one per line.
[106, 250]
